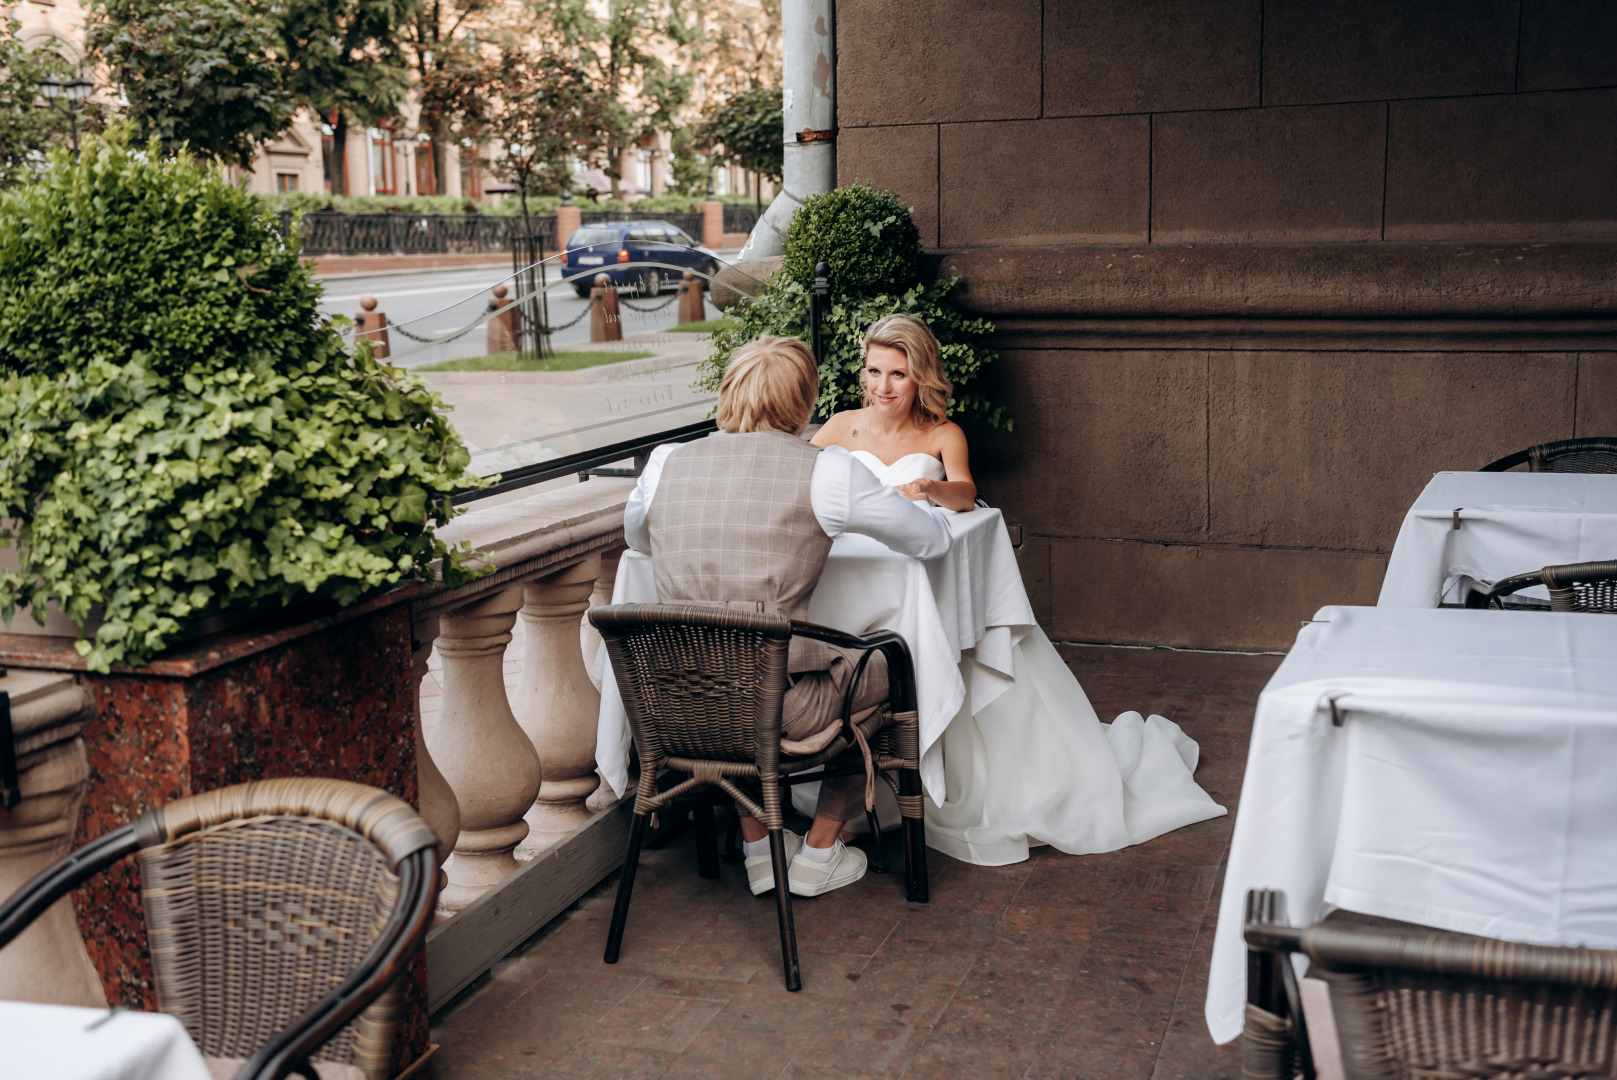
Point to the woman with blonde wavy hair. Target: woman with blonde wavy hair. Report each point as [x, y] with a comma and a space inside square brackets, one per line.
[903, 433]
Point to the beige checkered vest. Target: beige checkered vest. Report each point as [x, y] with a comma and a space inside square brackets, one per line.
[732, 523]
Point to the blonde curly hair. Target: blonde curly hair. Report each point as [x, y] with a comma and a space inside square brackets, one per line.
[914, 339]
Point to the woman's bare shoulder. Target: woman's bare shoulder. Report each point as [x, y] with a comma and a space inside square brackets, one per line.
[837, 427]
[948, 434]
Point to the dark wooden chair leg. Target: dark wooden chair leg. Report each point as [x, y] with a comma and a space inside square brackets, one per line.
[620, 910]
[878, 851]
[707, 841]
[732, 837]
[916, 887]
[783, 910]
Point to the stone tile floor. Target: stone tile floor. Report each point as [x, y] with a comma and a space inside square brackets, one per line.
[1062, 966]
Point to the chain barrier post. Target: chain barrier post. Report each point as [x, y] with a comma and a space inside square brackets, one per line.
[605, 322]
[372, 327]
[819, 303]
[502, 330]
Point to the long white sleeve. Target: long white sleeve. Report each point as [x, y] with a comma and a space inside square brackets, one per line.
[847, 498]
[635, 532]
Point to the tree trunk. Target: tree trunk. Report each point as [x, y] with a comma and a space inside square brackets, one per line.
[440, 157]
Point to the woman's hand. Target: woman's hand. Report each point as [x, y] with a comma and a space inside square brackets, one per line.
[917, 490]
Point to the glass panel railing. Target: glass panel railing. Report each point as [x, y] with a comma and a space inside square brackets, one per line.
[511, 352]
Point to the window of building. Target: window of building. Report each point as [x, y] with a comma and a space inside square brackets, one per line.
[384, 173]
[426, 174]
[286, 181]
[471, 179]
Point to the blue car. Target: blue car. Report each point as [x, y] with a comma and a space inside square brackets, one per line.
[606, 246]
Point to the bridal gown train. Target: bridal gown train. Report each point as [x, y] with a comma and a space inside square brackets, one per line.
[1037, 766]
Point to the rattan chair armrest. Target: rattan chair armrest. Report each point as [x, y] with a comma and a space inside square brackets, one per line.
[403, 933]
[1567, 574]
[900, 665]
[1481, 598]
[1509, 461]
[62, 876]
[1271, 980]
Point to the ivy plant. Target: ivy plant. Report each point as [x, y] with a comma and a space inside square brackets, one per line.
[168, 466]
[874, 253]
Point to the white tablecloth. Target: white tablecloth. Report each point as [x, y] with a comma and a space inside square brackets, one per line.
[961, 615]
[1470, 785]
[57, 1042]
[1510, 523]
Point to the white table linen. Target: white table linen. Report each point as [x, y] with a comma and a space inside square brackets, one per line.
[64, 1042]
[1469, 786]
[1510, 523]
[968, 605]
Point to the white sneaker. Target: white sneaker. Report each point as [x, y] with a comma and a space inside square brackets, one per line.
[761, 873]
[809, 878]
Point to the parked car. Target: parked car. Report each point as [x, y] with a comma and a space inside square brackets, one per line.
[606, 246]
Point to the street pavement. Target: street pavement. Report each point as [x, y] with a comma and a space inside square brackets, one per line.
[434, 303]
[521, 418]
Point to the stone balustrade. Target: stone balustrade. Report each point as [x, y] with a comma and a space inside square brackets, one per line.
[518, 762]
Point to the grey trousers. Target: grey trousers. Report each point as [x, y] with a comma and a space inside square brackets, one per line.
[813, 703]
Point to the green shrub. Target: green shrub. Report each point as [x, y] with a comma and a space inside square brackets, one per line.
[865, 236]
[860, 294]
[180, 432]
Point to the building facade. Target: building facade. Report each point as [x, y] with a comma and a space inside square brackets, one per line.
[1259, 267]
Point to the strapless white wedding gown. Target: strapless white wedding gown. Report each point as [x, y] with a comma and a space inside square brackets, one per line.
[1036, 765]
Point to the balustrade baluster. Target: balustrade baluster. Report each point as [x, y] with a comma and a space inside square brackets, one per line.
[439, 808]
[589, 637]
[556, 703]
[489, 762]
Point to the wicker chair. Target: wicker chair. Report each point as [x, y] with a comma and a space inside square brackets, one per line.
[1415, 1002]
[1593, 455]
[279, 914]
[703, 689]
[1588, 587]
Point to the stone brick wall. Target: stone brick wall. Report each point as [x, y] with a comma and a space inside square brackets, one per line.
[1260, 267]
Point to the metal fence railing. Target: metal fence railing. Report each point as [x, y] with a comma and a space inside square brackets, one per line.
[328, 232]
[739, 217]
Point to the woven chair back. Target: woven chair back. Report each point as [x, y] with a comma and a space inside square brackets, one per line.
[1574, 456]
[1426, 1005]
[697, 682]
[1589, 587]
[252, 917]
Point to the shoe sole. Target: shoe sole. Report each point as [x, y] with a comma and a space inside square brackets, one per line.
[821, 890]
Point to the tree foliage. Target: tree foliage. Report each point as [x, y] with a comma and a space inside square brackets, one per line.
[345, 63]
[198, 73]
[867, 238]
[549, 109]
[745, 130]
[161, 462]
[455, 73]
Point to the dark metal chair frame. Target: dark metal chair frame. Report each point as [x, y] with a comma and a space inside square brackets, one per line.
[716, 679]
[279, 819]
[1588, 455]
[1589, 587]
[1412, 1001]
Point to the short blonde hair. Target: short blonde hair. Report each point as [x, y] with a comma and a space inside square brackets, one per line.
[771, 384]
[914, 339]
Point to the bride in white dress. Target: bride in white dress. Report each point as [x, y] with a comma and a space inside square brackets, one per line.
[1036, 765]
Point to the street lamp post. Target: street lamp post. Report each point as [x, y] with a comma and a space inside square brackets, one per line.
[71, 94]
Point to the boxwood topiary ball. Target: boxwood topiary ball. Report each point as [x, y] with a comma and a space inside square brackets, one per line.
[864, 235]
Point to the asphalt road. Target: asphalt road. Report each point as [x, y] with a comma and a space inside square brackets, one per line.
[434, 303]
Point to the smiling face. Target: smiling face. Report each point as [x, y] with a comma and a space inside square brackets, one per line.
[888, 382]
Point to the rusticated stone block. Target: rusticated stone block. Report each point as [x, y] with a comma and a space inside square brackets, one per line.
[1568, 44]
[901, 159]
[1328, 449]
[1107, 443]
[1597, 395]
[1506, 167]
[947, 60]
[1296, 175]
[1200, 596]
[1082, 180]
[1373, 49]
[1123, 56]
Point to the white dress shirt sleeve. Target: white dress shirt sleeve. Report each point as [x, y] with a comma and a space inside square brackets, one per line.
[635, 532]
[847, 498]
